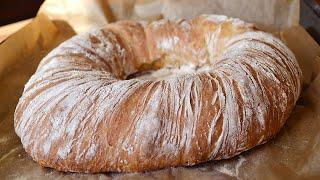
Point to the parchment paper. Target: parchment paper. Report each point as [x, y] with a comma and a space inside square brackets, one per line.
[272, 15]
[82, 15]
[293, 154]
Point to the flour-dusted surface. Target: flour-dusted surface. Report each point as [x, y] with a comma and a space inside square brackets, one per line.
[222, 88]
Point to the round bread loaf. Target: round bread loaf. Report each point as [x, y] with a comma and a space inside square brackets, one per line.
[137, 96]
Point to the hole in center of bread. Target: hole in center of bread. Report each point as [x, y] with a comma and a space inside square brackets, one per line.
[169, 72]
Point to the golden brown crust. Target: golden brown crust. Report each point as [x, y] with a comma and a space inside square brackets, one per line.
[222, 88]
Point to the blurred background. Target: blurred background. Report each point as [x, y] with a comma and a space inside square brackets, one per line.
[16, 10]
[12, 11]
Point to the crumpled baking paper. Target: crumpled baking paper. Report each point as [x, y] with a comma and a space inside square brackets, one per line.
[293, 154]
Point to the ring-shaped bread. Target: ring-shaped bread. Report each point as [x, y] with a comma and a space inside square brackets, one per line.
[136, 96]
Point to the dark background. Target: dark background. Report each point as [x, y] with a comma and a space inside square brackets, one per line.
[310, 17]
[16, 10]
